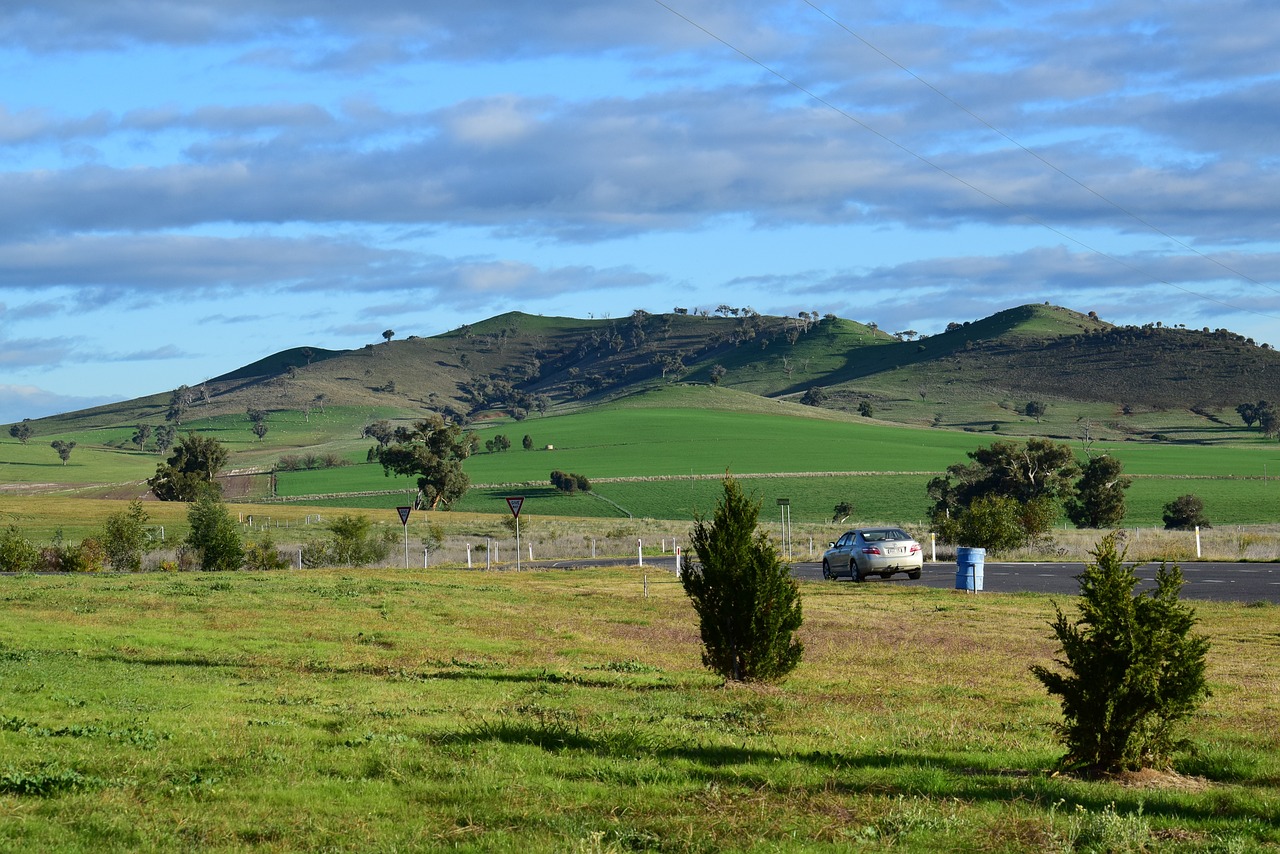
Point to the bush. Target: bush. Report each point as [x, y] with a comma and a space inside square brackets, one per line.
[17, 553]
[355, 542]
[1133, 668]
[125, 537]
[214, 534]
[86, 556]
[1185, 513]
[263, 555]
[747, 603]
[999, 522]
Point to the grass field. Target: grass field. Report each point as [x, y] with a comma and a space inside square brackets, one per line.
[394, 710]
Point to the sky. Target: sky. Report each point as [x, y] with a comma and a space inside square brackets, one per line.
[187, 186]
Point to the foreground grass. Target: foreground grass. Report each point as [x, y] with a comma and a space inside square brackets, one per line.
[394, 710]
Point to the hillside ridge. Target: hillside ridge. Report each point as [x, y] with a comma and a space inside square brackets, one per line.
[515, 364]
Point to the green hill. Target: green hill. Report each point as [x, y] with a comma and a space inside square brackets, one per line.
[1097, 383]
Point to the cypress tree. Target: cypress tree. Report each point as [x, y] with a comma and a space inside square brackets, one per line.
[748, 604]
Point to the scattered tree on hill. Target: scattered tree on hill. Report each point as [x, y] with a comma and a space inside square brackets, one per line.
[22, 430]
[166, 434]
[865, 409]
[498, 444]
[179, 402]
[63, 448]
[1131, 668]
[190, 469]
[214, 535]
[388, 335]
[527, 442]
[815, 396]
[124, 537]
[747, 603]
[140, 436]
[256, 416]
[1035, 409]
[1185, 513]
[1268, 419]
[1034, 476]
[380, 431]
[843, 510]
[434, 451]
[1261, 413]
[717, 373]
[260, 429]
[1099, 498]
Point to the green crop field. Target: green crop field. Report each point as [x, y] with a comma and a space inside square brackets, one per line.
[526, 712]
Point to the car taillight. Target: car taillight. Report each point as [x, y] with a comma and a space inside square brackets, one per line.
[871, 550]
[915, 547]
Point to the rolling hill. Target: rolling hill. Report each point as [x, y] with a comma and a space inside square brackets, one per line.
[1125, 381]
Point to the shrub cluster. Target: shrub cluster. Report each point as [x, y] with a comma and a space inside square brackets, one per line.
[306, 462]
[570, 483]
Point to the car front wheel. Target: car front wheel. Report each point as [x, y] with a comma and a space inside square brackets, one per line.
[826, 571]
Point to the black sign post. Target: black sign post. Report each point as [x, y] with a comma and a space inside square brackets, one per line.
[404, 520]
[515, 504]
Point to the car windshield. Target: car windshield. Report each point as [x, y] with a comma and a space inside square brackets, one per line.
[885, 534]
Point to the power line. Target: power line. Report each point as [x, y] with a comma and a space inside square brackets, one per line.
[968, 184]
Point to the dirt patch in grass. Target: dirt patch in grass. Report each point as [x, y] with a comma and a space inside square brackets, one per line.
[1151, 778]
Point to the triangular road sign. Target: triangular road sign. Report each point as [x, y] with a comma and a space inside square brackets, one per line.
[514, 504]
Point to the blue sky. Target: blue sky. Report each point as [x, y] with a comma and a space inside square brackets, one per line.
[189, 185]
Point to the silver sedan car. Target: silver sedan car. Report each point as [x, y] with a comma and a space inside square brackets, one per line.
[873, 551]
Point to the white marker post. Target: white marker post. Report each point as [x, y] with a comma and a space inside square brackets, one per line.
[515, 503]
[404, 520]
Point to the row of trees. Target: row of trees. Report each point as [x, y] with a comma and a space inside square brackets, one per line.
[1011, 493]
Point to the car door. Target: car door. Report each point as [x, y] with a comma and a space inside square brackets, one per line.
[844, 552]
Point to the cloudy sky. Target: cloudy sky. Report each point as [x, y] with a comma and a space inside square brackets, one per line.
[189, 185]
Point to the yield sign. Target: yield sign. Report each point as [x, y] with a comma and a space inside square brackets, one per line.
[404, 514]
[514, 504]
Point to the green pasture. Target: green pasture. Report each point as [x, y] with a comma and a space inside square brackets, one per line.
[709, 432]
[876, 498]
[391, 710]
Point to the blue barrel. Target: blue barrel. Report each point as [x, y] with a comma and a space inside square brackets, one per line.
[969, 568]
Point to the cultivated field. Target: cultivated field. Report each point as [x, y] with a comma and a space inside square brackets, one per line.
[451, 710]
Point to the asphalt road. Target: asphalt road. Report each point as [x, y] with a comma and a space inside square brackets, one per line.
[1228, 582]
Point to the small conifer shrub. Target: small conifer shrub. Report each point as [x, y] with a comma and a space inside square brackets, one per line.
[1132, 669]
[748, 604]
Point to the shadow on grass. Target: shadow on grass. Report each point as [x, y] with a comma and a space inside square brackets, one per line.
[879, 773]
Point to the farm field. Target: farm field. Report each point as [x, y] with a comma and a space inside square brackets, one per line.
[448, 710]
[659, 456]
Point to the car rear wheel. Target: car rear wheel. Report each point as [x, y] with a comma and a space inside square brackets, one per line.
[914, 575]
[855, 574]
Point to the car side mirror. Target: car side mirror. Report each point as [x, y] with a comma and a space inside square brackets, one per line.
[831, 545]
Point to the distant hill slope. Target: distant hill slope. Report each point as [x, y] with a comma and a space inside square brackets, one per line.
[973, 373]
